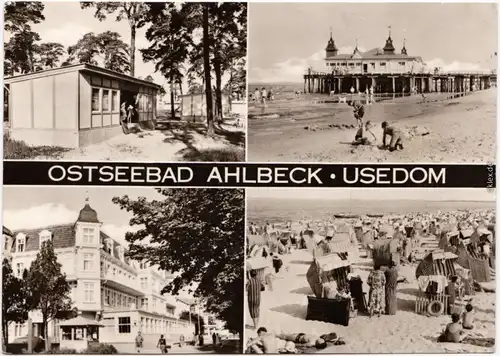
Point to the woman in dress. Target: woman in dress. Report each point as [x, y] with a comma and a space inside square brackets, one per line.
[376, 281]
[254, 288]
[391, 300]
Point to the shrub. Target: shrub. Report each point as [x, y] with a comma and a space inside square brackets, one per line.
[101, 349]
[64, 351]
[13, 149]
[215, 155]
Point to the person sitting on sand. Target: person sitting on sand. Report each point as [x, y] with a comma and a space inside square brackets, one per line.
[396, 137]
[265, 343]
[453, 331]
[468, 317]
[359, 138]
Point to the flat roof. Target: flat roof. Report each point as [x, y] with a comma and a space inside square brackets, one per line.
[84, 67]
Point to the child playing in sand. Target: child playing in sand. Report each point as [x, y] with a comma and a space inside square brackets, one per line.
[395, 134]
[468, 317]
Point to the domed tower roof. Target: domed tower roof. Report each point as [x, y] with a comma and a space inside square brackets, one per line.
[87, 214]
[403, 50]
[331, 49]
[389, 47]
[331, 45]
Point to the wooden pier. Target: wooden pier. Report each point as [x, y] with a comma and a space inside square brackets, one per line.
[340, 83]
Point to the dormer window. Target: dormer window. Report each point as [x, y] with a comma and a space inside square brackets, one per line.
[121, 254]
[45, 236]
[88, 235]
[109, 246]
[20, 242]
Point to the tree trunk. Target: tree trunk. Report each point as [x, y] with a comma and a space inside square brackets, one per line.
[206, 69]
[46, 334]
[180, 88]
[132, 51]
[218, 88]
[5, 335]
[172, 99]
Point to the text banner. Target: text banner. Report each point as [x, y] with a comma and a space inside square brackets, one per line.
[248, 174]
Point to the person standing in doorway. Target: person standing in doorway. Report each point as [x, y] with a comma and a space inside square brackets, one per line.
[254, 289]
[139, 340]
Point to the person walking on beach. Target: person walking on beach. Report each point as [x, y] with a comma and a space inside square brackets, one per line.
[376, 281]
[254, 289]
[391, 283]
[263, 95]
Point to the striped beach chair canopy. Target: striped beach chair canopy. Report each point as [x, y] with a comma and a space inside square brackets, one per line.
[437, 262]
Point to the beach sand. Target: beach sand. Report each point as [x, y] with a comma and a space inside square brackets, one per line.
[461, 129]
[284, 309]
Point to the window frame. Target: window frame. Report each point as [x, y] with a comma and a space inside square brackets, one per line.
[21, 241]
[123, 323]
[87, 259]
[92, 88]
[90, 290]
[84, 235]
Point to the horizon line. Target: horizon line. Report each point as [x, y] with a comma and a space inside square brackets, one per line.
[368, 199]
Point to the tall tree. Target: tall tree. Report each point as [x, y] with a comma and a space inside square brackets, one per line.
[15, 305]
[198, 235]
[228, 29]
[169, 38]
[106, 46]
[20, 49]
[133, 12]
[48, 288]
[19, 15]
[48, 55]
[206, 68]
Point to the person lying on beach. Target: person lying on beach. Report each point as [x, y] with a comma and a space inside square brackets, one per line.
[396, 137]
[468, 317]
[309, 340]
[453, 331]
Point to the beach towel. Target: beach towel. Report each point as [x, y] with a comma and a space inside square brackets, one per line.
[423, 282]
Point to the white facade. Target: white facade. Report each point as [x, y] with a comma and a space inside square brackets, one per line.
[122, 294]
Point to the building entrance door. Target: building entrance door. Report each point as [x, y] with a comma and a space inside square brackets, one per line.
[365, 68]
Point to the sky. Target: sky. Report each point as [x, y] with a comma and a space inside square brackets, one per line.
[65, 23]
[60, 205]
[417, 194]
[286, 38]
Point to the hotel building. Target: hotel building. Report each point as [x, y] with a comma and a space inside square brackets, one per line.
[123, 295]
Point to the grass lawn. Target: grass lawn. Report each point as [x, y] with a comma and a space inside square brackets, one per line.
[215, 155]
[13, 149]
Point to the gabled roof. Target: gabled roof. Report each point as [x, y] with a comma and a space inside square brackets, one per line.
[85, 67]
[7, 231]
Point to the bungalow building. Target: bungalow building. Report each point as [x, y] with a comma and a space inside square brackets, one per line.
[76, 105]
[106, 286]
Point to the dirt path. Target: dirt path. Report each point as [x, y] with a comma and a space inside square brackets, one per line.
[460, 130]
[159, 145]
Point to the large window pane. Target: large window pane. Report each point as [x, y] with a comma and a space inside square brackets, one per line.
[105, 100]
[114, 103]
[96, 99]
